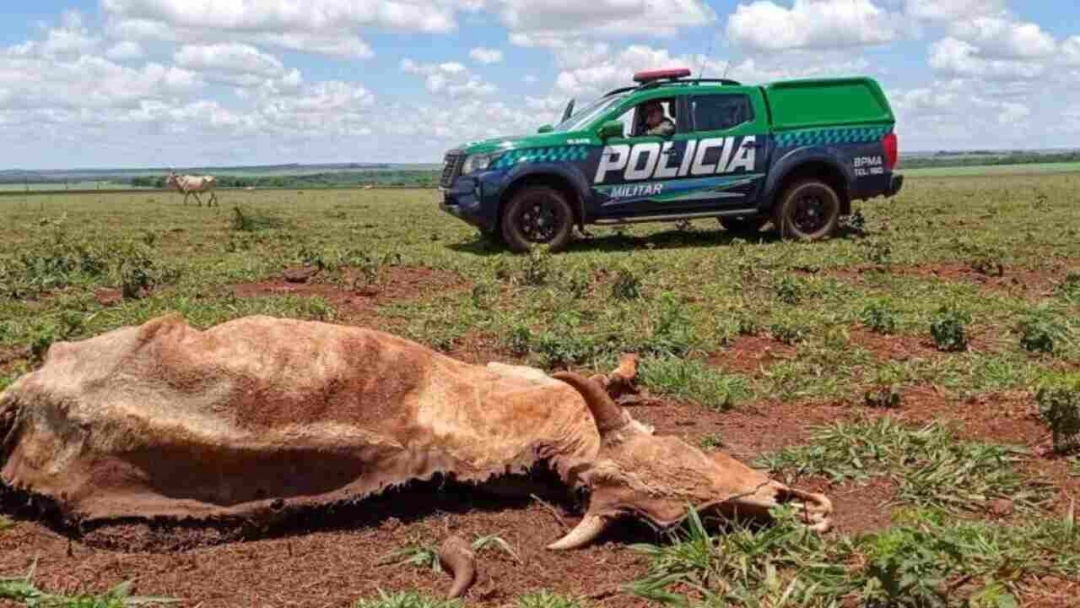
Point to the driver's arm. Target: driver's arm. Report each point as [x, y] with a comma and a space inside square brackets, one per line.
[664, 129]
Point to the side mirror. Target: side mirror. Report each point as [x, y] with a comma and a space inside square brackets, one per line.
[545, 129]
[611, 128]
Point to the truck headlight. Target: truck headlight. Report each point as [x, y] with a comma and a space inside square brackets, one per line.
[478, 162]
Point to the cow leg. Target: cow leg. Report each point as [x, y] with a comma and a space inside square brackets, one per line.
[196, 195]
[213, 200]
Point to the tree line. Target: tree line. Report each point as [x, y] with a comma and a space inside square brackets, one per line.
[407, 178]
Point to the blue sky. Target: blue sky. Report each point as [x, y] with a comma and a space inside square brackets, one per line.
[92, 83]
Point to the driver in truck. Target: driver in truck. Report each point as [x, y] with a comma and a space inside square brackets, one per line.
[658, 123]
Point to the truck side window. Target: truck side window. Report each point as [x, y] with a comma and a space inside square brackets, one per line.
[634, 119]
[720, 112]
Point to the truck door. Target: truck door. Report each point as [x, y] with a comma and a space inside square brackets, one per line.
[636, 172]
[729, 133]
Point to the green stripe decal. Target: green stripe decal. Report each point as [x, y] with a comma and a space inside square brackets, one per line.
[542, 155]
[828, 137]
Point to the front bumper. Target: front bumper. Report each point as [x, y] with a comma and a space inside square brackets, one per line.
[464, 200]
[896, 182]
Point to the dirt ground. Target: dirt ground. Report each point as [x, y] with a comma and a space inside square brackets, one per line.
[333, 558]
[1021, 282]
[355, 298]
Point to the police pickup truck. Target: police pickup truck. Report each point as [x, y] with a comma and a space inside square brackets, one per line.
[795, 153]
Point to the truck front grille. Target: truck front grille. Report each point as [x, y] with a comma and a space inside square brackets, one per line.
[451, 169]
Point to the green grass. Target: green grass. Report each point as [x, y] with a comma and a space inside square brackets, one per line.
[924, 559]
[988, 170]
[930, 465]
[407, 600]
[24, 592]
[658, 291]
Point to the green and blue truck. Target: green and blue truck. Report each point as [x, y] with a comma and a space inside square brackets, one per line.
[795, 153]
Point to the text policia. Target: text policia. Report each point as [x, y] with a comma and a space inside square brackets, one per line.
[652, 160]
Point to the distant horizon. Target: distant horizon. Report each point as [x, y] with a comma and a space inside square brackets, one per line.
[377, 164]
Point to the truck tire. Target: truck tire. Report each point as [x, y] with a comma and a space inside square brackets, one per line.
[809, 210]
[538, 215]
[744, 225]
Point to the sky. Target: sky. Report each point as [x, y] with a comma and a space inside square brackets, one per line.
[136, 83]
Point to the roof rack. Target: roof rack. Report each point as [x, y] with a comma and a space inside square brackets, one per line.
[694, 81]
[676, 82]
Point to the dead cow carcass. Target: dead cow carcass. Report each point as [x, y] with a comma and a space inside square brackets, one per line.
[164, 420]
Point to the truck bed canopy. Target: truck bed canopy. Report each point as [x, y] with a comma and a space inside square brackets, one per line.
[801, 104]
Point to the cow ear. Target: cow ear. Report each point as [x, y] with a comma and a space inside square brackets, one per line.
[608, 415]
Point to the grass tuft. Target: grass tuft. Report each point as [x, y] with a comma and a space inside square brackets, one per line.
[922, 561]
[693, 381]
[406, 600]
[546, 599]
[23, 591]
[930, 465]
[949, 329]
[1059, 407]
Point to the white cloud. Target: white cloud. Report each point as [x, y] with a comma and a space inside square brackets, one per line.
[450, 78]
[72, 38]
[547, 23]
[324, 27]
[486, 55]
[278, 16]
[1003, 38]
[952, 57]
[1070, 51]
[956, 114]
[89, 82]
[951, 10]
[124, 51]
[811, 24]
[610, 69]
[233, 57]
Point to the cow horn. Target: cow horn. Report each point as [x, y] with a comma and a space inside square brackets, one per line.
[609, 416]
[457, 556]
[583, 534]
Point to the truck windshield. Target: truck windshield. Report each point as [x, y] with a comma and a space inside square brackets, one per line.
[584, 116]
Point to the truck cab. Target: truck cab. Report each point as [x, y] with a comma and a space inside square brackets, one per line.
[793, 153]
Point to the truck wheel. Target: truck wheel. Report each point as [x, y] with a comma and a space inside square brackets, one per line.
[743, 225]
[538, 216]
[808, 211]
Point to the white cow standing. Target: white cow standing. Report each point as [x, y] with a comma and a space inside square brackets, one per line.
[192, 185]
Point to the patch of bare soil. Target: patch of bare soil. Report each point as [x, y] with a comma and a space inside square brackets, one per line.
[893, 347]
[480, 348]
[1021, 282]
[107, 296]
[1008, 417]
[354, 297]
[750, 354]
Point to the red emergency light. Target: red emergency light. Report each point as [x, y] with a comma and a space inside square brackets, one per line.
[668, 74]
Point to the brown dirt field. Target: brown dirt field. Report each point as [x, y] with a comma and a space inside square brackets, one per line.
[750, 354]
[1021, 282]
[897, 347]
[359, 305]
[481, 348]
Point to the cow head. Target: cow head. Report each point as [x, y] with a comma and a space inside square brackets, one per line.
[658, 478]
